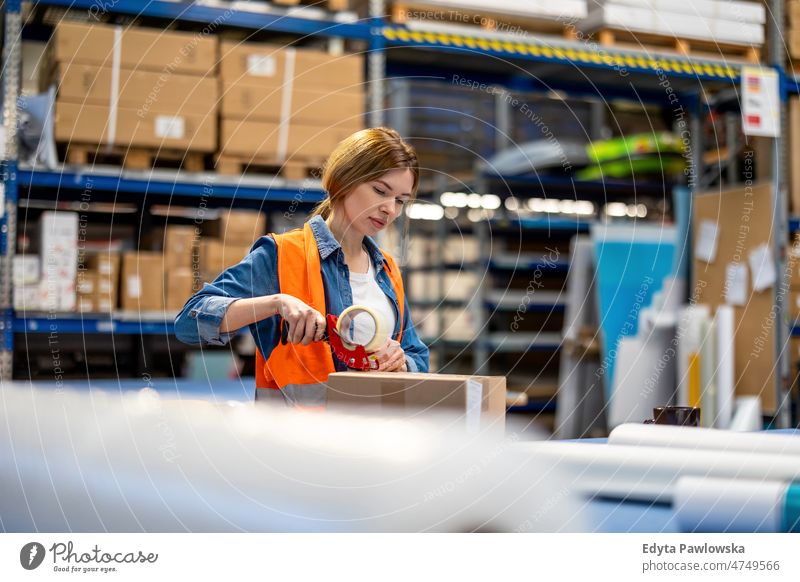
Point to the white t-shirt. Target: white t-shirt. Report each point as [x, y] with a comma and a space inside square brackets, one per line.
[367, 292]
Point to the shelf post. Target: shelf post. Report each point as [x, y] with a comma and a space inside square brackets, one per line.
[12, 61]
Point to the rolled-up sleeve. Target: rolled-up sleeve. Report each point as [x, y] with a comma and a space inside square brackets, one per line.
[255, 276]
[417, 354]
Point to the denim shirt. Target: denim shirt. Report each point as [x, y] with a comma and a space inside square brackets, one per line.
[257, 275]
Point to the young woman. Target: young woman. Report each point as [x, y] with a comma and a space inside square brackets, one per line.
[328, 265]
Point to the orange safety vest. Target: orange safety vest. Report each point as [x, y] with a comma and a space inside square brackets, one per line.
[300, 275]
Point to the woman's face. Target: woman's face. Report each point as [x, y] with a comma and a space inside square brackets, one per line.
[375, 204]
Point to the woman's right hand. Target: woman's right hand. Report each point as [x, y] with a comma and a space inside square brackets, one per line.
[306, 324]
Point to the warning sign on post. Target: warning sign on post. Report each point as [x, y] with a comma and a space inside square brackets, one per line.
[761, 114]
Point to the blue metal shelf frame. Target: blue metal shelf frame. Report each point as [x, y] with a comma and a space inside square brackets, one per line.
[200, 14]
[75, 180]
[90, 324]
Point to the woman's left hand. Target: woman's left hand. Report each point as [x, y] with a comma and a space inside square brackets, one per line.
[391, 357]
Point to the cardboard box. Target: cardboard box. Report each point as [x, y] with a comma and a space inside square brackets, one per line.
[137, 90]
[181, 284]
[157, 50]
[461, 285]
[180, 243]
[265, 65]
[58, 247]
[25, 270]
[755, 337]
[256, 103]
[27, 297]
[461, 249]
[216, 256]
[86, 284]
[241, 227]
[260, 138]
[794, 155]
[142, 282]
[481, 399]
[459, 324]
[423, 286]
[75, 123]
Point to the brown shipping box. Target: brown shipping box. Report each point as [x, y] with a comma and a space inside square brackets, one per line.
[481, 399]
[260, 138]
[138, 90]
[265, 65]
[90, 124]
[142, 282]
[255, 103]
[181, 284]
[180, 243]
[743, 218]
[215, 256]
[794, 154]
[241, 227]
[140, 48]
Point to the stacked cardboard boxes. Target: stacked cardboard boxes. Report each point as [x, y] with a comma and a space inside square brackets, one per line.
[283, 103]
[98, 283]
[181, 275]
[142, 282]
[25, 277]
[230, 240]
[793, 30]
[134, 87]
[58, 247]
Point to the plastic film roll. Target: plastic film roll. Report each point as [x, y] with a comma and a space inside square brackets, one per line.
[651, 473]
[359, 325]
[706, 504]
[655, 435]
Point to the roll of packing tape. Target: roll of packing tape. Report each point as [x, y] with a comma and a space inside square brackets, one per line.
[360, 325]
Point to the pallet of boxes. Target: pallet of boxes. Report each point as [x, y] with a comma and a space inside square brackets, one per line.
[732, 28]
[285, 109]
[133, 96]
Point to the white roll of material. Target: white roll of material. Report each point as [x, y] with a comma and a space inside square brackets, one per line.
[709, 504]
[651, 473]
[686, 437]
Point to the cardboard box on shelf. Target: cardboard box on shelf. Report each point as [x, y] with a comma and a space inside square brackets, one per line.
[76, 123]
[459, 324]
[481, 399]
[794, 154]
[156, 50]
[27, 297]
[266, 65]
[142, 282]
[104, 263]
[25, 269]
[460, 285]
[216, 256]
[58, 245]
[180, 284]
[86, 283]
[136, 89]
[57, 294]
[180, 244]
[256, 103]
[423, 286]
[241, 227]
[260, 138]
[461, 249]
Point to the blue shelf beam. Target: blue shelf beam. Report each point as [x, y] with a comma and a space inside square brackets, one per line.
[220, 16]
[210, 190]
[89, 324]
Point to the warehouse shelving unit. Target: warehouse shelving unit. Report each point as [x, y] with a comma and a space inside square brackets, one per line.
[527, 63]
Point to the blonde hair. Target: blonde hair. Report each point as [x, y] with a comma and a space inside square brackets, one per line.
[365, 155]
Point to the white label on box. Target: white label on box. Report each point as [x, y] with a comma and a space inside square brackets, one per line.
[170, 126]
[706, 249]
[763, 268]
[474, 403]
[760, 103]
[261, 65]
[736, 284]
[134, 286]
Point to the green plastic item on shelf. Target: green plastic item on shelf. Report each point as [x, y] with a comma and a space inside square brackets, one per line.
[637, 145]
[627, 167]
